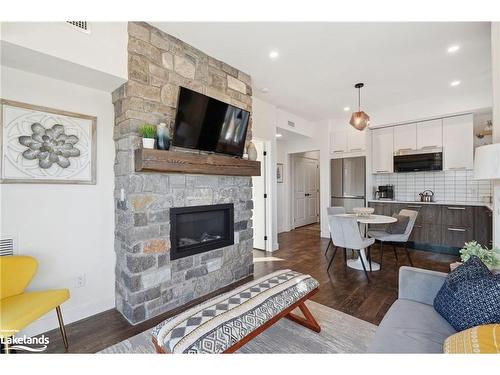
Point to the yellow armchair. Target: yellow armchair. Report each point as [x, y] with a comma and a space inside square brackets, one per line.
[19, 308]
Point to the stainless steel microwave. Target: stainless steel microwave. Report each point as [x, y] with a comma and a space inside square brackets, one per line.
[418, 160]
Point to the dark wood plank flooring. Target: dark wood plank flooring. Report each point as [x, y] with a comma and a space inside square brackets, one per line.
[302, 250]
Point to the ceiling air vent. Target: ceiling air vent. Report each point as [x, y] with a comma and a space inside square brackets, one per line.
[6, 246]
[291, 123]
[83, 26]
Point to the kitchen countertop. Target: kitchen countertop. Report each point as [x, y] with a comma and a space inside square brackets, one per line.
[444, 203]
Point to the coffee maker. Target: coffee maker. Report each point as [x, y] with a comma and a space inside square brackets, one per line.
[385, 192]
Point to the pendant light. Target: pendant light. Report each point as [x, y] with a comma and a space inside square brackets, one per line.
[360, 120]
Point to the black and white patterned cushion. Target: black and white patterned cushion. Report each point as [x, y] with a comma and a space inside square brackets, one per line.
[219, 323]
[470, 296]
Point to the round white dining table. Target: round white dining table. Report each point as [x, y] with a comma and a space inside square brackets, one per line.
[365, 221]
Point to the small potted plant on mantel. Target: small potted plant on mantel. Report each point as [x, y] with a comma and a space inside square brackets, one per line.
[148, 134]
[491, 258]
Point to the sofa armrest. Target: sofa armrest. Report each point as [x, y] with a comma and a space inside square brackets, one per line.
[420, 285]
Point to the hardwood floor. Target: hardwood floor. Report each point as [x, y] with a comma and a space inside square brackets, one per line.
[302, 250]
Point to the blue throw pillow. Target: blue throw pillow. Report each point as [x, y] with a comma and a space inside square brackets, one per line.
[470, 296]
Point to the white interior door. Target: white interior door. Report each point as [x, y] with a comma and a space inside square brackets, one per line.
[306, 196]
[259, 202]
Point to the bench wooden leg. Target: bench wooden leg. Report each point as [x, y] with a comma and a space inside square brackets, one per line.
[308, 321]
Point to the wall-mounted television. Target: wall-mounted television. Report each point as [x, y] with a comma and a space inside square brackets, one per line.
[207, 124]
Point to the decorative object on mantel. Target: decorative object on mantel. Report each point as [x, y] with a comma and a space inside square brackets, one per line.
[251, 151]
[148, 134]
[279, 173]
[46, 145]
[487, 162]
[491, 258]
[194, 163]
[360, 120]
[162, 138]
[488, 130]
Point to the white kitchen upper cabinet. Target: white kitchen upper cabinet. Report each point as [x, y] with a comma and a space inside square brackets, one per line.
[430, 134]
[356, 140]
[405, 137]
[458, 142]
[382, 150]
[338, 143]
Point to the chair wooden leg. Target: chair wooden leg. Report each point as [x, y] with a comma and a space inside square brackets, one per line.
[395, 252]
[61, 326]
[333, 256]
[408, 254]
[363, 264]
[329, 244]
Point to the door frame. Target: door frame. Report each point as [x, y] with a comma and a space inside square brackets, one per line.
[268, 170]
[291, 192]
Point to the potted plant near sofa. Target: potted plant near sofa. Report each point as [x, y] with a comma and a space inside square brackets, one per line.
[490, 257]
[148, 134]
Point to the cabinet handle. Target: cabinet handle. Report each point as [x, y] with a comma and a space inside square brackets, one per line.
[356, 149]
[414, 206]
[427, 147]
[456, 208]
[338, 151]
[404, 149]
[457, 168]
[456, 229]
[383, 172]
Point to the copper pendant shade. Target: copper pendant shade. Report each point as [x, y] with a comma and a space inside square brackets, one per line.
[360, 120]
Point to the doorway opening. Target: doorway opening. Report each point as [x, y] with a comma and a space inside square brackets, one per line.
[305, 190]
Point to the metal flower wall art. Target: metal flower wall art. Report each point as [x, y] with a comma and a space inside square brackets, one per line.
[45, 145]
[50, 146]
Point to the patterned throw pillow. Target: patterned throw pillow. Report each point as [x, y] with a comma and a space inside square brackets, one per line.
[470, 296]
[477, 340]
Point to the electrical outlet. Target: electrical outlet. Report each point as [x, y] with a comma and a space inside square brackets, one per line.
[80, 281]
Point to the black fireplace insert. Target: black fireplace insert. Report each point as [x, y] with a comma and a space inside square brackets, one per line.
[198, 229]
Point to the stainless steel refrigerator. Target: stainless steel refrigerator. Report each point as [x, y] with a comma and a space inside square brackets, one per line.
[348, 182]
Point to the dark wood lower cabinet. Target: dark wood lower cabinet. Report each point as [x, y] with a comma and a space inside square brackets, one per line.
[445, 226]
[454, 236]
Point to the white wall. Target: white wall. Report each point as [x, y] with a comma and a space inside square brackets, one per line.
[318, 142]
[103, 49]
[69, 229]
[264, 119]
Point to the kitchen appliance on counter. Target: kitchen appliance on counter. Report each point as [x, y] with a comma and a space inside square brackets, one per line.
[348, 182]
[385, 192]
[426, 196]
[425, 159]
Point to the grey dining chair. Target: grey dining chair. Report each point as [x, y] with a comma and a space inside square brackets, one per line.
[346, 235]
[396, 239]
[335, 210]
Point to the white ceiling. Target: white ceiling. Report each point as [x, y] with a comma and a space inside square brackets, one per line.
[319, 63]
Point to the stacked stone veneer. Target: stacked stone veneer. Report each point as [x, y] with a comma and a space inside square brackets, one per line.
[148, 283]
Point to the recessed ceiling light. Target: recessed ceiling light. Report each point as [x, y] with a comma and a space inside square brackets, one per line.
[347, 109]
[455, 83]
[264, 90]
[454, 48]
[274, 55]
[278, 135]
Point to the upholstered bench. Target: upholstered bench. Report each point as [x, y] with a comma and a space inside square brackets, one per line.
[225, 323]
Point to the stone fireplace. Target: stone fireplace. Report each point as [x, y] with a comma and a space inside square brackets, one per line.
[161, 264]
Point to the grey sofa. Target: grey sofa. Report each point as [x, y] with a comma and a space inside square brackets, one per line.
[412, 325]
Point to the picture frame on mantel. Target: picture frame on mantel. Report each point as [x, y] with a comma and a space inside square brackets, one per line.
[41, 145]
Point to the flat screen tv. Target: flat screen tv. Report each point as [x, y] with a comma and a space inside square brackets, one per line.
[207, 124]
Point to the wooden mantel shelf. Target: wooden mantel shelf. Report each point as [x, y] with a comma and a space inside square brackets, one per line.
[147, 160]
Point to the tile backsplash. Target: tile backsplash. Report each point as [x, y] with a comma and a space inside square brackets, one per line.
[449, 186]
